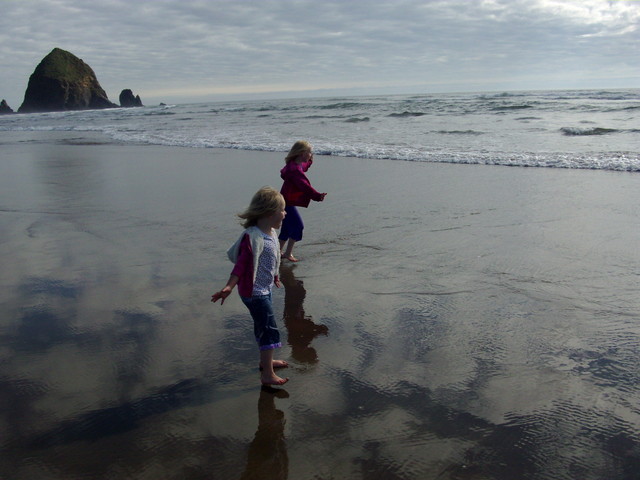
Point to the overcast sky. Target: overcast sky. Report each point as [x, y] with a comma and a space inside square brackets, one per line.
[182, 51]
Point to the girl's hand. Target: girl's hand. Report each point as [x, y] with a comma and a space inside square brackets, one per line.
[323, 195]
[221, 295]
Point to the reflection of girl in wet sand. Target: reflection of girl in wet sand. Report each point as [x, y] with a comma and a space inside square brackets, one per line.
[301, 329]
[268, 458]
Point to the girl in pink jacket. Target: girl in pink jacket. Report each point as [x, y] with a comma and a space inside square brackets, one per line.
[297, 192]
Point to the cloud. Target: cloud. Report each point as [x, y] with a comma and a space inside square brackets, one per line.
[200, 48]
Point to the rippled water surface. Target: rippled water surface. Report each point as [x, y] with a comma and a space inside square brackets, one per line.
[577, 129]
[446, 321]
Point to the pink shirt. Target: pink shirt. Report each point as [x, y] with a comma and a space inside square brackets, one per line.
[296, 189]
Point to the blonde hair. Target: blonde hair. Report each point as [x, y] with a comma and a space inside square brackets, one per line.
[298, 149]
[265, 202]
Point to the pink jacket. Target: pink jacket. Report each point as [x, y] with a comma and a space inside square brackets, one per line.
[296, 189]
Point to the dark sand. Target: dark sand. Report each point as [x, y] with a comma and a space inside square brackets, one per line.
[445, 322]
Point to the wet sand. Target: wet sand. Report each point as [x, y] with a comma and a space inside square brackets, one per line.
[446, 321]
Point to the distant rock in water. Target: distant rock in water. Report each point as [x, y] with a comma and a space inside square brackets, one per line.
[128, 100]
[61, 82]
[5, 108]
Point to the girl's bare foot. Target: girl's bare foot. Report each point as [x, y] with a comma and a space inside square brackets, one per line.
[277, 364]
[273, 380]
[291, 258]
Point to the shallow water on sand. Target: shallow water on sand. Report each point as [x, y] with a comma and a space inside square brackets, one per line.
[445, 321]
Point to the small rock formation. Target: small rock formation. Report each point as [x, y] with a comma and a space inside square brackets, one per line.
[61, 82]
[128, 100]
[5, 108]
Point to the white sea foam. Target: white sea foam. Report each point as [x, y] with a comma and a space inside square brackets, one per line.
[569, 129]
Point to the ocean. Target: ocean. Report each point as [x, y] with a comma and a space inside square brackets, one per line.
[583, 129]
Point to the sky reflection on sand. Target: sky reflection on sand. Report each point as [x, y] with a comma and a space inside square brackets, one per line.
[482, 332]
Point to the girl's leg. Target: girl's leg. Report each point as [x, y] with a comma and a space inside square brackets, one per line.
[288, 253]
[290, 232]
[268, 376]
[267, 336]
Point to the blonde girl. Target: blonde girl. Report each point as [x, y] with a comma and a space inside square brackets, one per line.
[297, 192]
[256, 258]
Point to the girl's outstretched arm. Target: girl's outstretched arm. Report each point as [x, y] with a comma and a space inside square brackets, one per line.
[226, 291]
[302, 183]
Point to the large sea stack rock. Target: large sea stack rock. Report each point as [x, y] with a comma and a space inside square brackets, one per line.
[128, 100]
[63, 82]
[5, 108]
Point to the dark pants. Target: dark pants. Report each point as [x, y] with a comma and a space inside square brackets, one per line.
[264, 322]
[292, 225]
